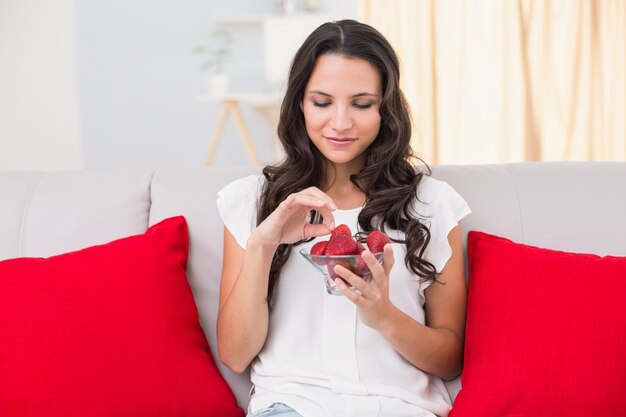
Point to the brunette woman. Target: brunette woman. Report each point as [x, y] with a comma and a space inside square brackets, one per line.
[384, 349]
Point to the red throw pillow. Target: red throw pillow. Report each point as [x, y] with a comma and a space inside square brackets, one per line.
[110, 330]
[546, 332]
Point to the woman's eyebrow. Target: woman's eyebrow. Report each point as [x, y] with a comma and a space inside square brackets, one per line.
[365, 94]
[362, 94]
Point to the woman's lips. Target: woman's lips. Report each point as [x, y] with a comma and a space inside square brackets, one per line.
[340, 141]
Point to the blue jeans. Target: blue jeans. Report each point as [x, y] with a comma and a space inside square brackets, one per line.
[277, 409]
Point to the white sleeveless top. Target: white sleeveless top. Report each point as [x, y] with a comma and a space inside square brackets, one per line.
[319, 358]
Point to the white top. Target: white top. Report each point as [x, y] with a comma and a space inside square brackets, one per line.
[319, 358]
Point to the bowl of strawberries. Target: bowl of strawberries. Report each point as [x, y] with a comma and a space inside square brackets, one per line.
[343, 248]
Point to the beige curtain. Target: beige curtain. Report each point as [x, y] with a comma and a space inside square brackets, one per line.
[510, 80]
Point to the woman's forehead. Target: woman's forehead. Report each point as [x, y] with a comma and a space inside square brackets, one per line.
[340, 74]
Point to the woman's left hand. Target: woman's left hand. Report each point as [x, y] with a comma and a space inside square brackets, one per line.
[372, 299]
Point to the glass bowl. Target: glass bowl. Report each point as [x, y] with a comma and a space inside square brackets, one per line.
[325, 265]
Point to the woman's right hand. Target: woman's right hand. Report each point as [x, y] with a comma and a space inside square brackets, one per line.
[289, 223]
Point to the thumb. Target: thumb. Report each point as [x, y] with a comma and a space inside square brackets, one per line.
[314, 230]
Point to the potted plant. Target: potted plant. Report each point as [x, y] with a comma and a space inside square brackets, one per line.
[217, 55]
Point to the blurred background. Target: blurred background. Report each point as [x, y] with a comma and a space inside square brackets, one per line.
[182, 83]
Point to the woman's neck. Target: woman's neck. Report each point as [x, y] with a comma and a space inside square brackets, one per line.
[345, 194]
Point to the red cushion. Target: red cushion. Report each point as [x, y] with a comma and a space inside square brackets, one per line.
[546, 332]
[110, 330]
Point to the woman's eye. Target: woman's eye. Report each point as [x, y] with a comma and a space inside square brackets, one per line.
[319, 104]
[362, 106]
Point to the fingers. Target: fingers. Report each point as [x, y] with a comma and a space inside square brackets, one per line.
[371, 298]
[388, 258]
[379, 271]
[312, 199]
[350, 284]
[308, 200]
[314, 230]
[313, 196]
[347, 291]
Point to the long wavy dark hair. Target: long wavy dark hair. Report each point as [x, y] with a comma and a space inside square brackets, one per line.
[389, 178]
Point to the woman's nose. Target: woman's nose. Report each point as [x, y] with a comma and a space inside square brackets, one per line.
[341, 120]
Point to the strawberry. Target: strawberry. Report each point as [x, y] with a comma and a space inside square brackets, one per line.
[341, 242]
[341, 245]
[319, 248]
[361, 268]
[376, 241]
[342, 229]
[331, 267]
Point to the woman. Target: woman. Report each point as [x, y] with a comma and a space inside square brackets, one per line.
[383, 350]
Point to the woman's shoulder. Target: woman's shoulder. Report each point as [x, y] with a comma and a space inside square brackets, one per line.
[433, 193]
[429, 188]
[236, 204]
[250, 184]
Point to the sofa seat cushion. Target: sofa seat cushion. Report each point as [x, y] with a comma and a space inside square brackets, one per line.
[545, 332]
[109, 330]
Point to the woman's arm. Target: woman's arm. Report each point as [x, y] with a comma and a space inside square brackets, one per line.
[435, 348]
[243, 315]
[243, 295]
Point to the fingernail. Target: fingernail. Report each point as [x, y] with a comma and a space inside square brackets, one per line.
[331, 225]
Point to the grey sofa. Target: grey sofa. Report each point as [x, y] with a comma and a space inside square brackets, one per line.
[573, 206]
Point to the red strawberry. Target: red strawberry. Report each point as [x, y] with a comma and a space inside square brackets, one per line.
[361, 268]
[319, 248]
[342, 229]
[331, 267]
[342, 245]
[376, 241]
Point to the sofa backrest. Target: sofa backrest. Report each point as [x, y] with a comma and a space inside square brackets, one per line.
[572, 206]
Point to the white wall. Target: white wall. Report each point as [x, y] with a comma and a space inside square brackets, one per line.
[131, 65]
[139, 81]
[39, 118]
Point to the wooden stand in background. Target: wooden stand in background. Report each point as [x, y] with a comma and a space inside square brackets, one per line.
[267, 103]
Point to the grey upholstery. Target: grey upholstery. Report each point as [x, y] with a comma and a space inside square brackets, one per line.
[573, 206]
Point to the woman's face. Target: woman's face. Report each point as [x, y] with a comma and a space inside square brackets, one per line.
[341, 108]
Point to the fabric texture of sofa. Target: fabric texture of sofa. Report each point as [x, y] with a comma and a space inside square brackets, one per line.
[576, 207]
